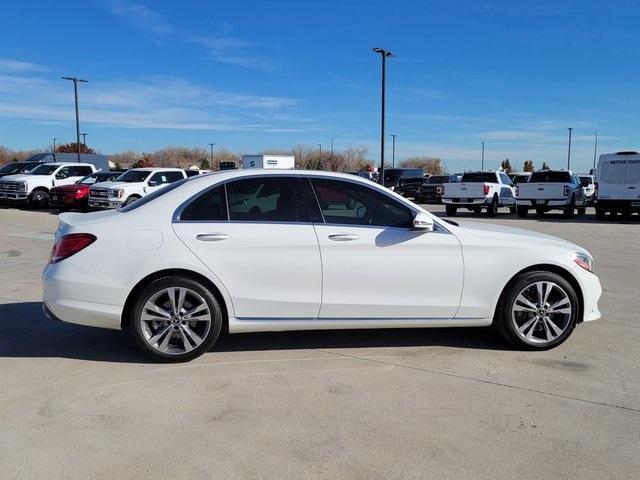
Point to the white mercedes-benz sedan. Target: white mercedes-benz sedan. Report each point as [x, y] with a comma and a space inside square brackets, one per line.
[256, 250]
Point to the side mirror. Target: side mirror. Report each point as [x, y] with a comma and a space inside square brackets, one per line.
[153, 183]
[423, 221]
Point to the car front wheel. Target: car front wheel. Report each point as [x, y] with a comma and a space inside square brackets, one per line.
[175, 319]
[538, 311]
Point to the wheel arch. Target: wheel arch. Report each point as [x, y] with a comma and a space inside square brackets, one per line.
[40, 188]
[128, 304]
[546, 267]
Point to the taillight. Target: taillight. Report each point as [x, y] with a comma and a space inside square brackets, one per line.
[517, 190]
[70, 244]
[566, 190]
[486, 189]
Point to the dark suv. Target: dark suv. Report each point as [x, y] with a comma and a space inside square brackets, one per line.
[16, 168]
[431, 190]
[404, 181]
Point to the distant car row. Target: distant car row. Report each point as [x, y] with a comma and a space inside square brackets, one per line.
[68, 185]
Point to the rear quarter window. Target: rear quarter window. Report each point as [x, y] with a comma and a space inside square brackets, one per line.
[547, 176]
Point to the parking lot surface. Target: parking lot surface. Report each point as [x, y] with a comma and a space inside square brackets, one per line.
[80, 402]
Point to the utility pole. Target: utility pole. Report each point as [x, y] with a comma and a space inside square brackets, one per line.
[383, 54]
[54, 145]
[393, 150]
[595, 150]
[332, 139]
[569, 150]
[75, 81]
[211, 155]
[482, 167]
[320, 147]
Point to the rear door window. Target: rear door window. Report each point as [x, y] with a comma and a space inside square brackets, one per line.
[267, 199]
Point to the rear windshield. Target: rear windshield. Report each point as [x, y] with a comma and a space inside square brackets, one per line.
[586, 181]
[549, 176]
[439, 179]
[477, 177]
[153, 195]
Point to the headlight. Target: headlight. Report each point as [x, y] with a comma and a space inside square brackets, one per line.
[116, 192]
[583, 259]
[24, 186]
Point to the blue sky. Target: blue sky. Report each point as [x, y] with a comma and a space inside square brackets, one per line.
[261, 75]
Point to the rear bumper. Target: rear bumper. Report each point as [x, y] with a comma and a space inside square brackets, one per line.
[618, 204]
[542, 203]
[103, 296]
[464, 201]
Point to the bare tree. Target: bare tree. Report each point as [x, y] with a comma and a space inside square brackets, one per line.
[430, 165]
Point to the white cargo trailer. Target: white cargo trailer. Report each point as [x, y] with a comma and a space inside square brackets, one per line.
[286, 162]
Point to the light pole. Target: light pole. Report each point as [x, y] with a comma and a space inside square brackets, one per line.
[393, 150]
[211, 145]
[320, 147]
[383, 54]
[332, 139]
[84, 140]
[595, 150]
[482, 164]
[569, 150]
[75, 81]
[54, 145]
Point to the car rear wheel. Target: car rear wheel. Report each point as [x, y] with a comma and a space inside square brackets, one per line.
[451, 210]
[570, 210]
[130, 200]
[522, 211]
[538, 311]
[175, 319]
[600, 214]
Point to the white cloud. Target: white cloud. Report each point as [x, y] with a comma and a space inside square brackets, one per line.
[159, 103]
[142, 17]
[16, 66]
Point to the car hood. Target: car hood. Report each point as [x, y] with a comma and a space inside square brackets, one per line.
[102, 184]
[18, 178]
[515, 235]
[71, 187]
[121, 184]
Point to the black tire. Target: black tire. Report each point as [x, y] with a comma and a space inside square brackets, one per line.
[539, 211]
[452, 210]
[477, 210]
[513, 209]
[522, 211]
[492, 208]
[39, 199]
[570, 210]
[600, 214]
[582, 211]
[130, 200]
[168, 282]
[503, 317]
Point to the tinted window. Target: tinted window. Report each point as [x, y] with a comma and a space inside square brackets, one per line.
[439, 179]
[269, 199]
[521, 179]
[11, 168]
[351, 204]
[586, 181]
[549, 176]
[479, 177]
[208, 206]
[166, 177]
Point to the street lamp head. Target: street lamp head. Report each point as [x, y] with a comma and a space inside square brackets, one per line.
[383, 52]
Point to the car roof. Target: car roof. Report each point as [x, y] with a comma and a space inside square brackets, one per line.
[64, 164]
[156, 169]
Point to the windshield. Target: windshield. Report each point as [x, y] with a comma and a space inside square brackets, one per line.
[133, 176]
[44, 169]
[477, 177]
[439, 179]
[549, 176]
[10, 168]
[586, 181]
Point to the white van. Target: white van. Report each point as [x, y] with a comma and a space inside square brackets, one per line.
[617, 184]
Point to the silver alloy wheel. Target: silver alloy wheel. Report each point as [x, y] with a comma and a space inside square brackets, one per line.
[541, 312]
[175, 320]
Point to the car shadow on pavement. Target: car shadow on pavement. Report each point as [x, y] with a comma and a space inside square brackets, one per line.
[550, 217]
[26, 332]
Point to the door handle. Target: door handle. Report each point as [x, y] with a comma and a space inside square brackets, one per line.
[343, 237]
[211, 237]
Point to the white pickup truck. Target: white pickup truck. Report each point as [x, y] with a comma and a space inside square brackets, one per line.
[478, 190]
[551, 190]
[34, 187]
[131, 186]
